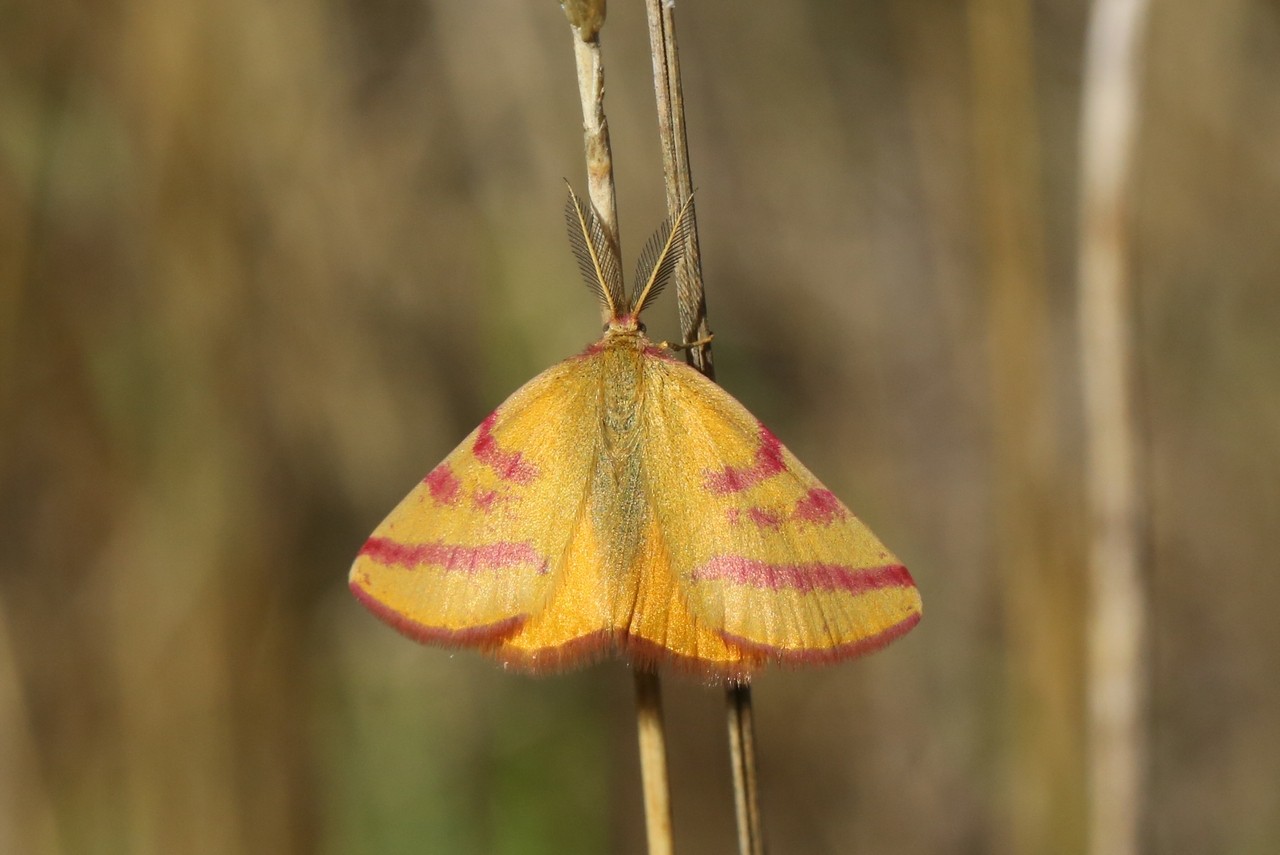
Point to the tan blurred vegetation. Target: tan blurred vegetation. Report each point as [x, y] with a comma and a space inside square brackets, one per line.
[263, 264]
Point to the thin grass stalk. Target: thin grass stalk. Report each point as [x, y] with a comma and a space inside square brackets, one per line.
[692, 306]
[1041, 597]
[653, 763]
[586, 18]
[24, 792]
[691, 299]
[742, 754]
[1116, 686]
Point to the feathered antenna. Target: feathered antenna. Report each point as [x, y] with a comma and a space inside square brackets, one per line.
[660, 256]
[596, 254]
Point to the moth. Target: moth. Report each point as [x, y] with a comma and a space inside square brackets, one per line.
[621, 502]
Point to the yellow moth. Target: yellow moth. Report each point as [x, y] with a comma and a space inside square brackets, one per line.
[622, 502]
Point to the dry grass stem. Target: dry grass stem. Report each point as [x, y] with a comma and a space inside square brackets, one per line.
[679, 177]
[1041, 603]
[742, 754]
[665, 52]
[1117, 605]
[653, 763]
[586, 18]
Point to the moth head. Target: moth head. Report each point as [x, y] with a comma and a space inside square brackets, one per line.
[627, 324]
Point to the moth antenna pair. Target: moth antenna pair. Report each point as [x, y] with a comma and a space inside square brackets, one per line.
[601, 267]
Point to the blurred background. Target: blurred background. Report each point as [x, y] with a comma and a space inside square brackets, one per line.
[263, 264]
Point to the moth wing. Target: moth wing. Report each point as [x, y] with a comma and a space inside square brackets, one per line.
[768, 557]
[472, 553]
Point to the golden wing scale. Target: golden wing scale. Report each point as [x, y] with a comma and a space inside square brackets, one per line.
[622, 502]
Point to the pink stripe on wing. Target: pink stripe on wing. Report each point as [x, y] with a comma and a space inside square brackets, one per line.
[760, 517]
[764, 518]
[820, 506]
[814, 576]
[509, 465]
[443, 484]
[467, 559]
[483, 500]
[767, 463]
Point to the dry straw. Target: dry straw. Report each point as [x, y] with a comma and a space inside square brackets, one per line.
[665, 51]
[587, 17]
[1038, 550]
[1117, 606]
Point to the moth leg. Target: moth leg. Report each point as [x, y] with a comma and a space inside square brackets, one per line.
[689, 345]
